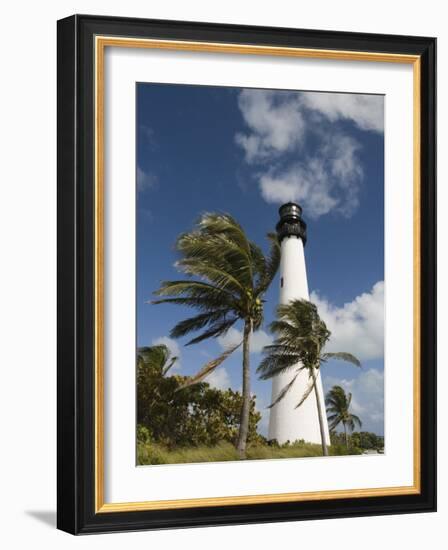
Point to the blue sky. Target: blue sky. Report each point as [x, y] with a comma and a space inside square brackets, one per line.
[245, 152]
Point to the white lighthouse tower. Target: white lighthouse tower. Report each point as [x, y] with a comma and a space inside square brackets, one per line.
[286, 422]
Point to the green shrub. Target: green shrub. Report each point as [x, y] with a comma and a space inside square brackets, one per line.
[143, 434]
[192, 416]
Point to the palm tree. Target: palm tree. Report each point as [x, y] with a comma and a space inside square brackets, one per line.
[153, 363]
[158, 358]
[231, 275]
[338, 405]
[300, 336]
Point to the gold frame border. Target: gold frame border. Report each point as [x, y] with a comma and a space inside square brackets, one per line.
[101, 42]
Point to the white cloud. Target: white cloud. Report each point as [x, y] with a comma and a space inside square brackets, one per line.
[367, 391]
[275, 122]
[358, 326]
[219, 379]
[145, 180]
[328, 181]
[366, 111]
[258, 340]
[231, 338]
[278, 123]
[309, 185]
[173, 347]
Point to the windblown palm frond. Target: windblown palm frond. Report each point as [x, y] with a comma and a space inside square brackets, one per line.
[213, 319]
[283, 391]
[276, 362]
[307, 392]
[343, 356]
[217, 329]
[269, 265]
[208, 368]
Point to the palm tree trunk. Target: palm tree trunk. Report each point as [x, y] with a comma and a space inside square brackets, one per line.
[319, 413]
[346, 436]
[245, 408]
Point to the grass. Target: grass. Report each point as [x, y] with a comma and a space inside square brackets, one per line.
[150, 453]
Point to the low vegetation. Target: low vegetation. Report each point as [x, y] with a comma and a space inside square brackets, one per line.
[174, 416]
[179, 423]
[364, 441]
[153, 453]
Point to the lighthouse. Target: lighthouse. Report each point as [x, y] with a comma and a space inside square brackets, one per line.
[286, 422]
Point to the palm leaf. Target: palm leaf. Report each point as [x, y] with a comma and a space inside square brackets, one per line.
[308, 390]
[209, 271]
[356, 420]
[220, 251]
[198, 322]
[341, 355]
[285, 329]
[187, 288]
[335, 423]
[155, 356]
[283, 391]
[348, 400]
[202, 304]
[208, 368]
[271, 264]
[332, 417]
[168, 367]
[216, 329]
[273, 364]
[224, 224]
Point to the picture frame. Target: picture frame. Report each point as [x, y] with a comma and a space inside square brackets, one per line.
[82, 41]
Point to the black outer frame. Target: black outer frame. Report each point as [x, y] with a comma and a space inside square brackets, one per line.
[75, 385]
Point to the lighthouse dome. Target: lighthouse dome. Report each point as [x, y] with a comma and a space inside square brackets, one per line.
[290, 210]
[291, 223]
